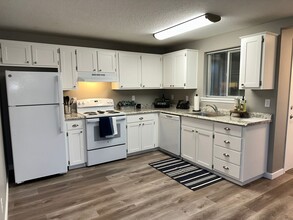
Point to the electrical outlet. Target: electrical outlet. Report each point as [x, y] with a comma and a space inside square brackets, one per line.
[172, 97]
[2, 208]
[267, 103]
[133, 98]
[186, 98]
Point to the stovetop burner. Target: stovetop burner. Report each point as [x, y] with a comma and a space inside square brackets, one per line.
[90, 113]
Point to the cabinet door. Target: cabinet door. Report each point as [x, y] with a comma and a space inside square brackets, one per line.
[147, 135]
[16, 53]
[76, 148]
[188, 143]
[204, 148]
[151, 71]
[68, 68]
[168, 71]
[179, 60]
[107, 61]
[250, 62]
[129, 70]
[133, 137]
[45, 55]
[86, 60]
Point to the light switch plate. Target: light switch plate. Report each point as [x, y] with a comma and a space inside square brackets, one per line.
[186, 98]
[133, 98]
[267, 103]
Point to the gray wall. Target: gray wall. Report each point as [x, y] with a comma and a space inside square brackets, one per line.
[3, 178]
[255, 99]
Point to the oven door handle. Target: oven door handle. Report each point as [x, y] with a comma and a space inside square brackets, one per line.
[95, 120]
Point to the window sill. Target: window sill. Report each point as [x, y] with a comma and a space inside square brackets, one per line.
[227, 100]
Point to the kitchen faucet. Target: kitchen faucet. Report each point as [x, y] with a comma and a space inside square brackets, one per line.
[213, 106]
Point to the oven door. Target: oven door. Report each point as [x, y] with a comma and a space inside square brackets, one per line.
[94, 141]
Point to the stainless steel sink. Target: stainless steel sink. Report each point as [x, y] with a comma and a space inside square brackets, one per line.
[206, 114]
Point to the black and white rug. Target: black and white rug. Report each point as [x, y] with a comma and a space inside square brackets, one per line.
[185, 173]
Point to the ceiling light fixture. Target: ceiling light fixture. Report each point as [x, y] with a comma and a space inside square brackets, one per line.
[186, 26]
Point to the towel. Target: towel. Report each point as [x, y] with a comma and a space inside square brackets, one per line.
[106, 126]
[114, 125]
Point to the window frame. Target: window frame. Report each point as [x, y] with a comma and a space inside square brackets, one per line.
[221, 99]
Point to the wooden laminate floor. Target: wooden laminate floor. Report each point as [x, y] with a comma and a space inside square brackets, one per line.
[131, 189]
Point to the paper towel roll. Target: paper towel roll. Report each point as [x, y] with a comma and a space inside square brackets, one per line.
[196, 103]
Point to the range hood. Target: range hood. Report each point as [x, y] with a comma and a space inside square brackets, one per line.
[97, 77]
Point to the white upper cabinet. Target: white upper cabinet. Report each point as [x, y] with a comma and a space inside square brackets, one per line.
[86, 60]
[68, 67]
[15, 53]
[180, 69]
[129, 70]
[139, 71]
[19, 53]
[257, 61]
[151, 67]
[107, 61]
[45, 55]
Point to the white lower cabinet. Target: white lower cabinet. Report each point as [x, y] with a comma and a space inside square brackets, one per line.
[197, 141]
[142, 132]
[240, 153]
[75, 143]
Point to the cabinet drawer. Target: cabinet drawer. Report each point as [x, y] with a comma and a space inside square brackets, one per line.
[141, 117]
[228, 129]
[73, 125]
[227, 168]
[228, 142]
[227, 155]
[197, 123]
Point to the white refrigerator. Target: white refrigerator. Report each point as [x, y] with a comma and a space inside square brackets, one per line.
[36, 116]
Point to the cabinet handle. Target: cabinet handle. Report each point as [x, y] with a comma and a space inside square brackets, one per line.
[142, 85]
[242, 84]
[142, 123]
[140, 118]
[139, 124]
[121, 86]
[35, 62]
[226, 142]
[75, 125]
[291, 116]
[100, 70]
[94, 69]
[227, 129]
[192, 130]
[226, 168]
[226, 155]
[80, 131]
[27, 61]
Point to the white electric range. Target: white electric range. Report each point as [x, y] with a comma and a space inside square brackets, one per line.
[105, 130]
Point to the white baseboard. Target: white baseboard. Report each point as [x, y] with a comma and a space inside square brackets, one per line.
[6, 205]
[274, 175]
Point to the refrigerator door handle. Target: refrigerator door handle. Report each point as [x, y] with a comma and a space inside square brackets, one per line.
[61, 109]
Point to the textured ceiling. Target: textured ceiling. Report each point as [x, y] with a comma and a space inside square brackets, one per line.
[135, 21]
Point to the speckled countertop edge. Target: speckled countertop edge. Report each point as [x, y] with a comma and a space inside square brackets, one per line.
[255, 117]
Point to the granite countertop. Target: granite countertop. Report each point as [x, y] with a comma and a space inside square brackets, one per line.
[73, 116]
[255, 117]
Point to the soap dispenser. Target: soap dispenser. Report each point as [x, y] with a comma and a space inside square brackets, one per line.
[243, 104]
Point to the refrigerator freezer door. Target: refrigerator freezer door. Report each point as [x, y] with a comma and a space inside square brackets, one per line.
[32, 88]
[38, 145]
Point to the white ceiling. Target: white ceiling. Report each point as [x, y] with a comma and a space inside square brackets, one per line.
[135, 21]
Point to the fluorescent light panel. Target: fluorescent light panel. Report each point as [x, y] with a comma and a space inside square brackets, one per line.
[190, 25]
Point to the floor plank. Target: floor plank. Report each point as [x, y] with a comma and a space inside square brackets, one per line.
[131, 189]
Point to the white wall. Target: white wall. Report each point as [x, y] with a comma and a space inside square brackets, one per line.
[3, 177]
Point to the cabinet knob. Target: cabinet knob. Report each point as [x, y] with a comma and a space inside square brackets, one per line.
[142, 85]
[242, 84]
[121, 86]
[291, 116]
[75, 125]
[142, 123]
[27, 61]
[100, 70]
[80, 131]
[226, 142]
[226, 168]
[140, 118]
[192, 130]
[226, 155]
[35, 62]
[94, 69]
[227, 129]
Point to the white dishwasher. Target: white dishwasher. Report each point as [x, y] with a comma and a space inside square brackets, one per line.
[169, 133]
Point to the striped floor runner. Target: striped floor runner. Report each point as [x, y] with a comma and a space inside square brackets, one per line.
[185, 173]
